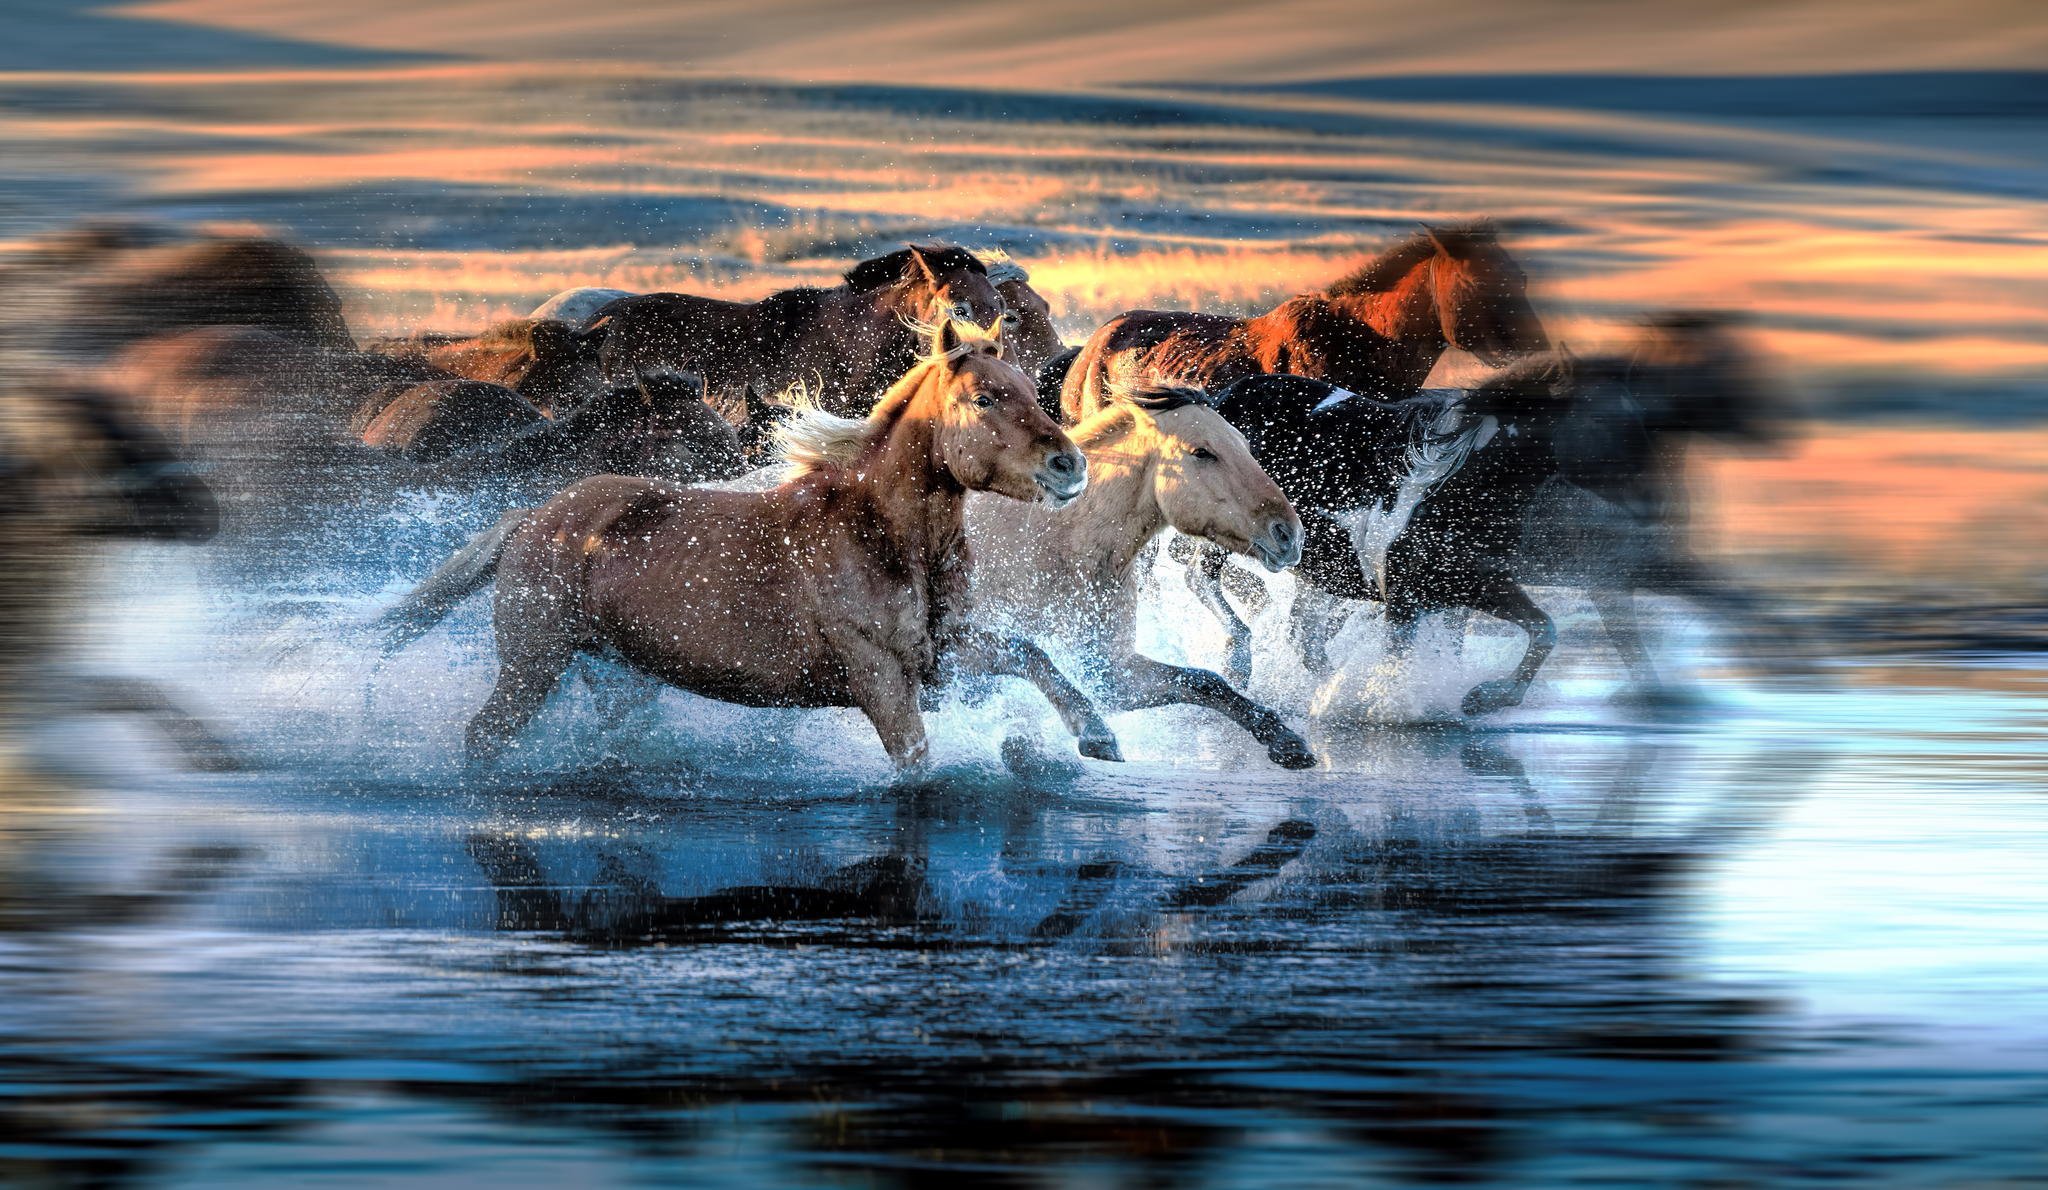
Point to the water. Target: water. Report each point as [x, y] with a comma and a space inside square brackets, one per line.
[1791, 934]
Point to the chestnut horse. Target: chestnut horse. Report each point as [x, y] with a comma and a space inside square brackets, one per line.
[843, 346]
[1158, 457]
[1378, 330]
[844, 586]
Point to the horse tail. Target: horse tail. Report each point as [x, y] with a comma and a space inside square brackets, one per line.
[1051, 378]
[461, 576]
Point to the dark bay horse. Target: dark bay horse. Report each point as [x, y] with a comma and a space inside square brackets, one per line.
[465, 433]
[844, 586]
[842, 346]
[1378, 330]
[552, 364]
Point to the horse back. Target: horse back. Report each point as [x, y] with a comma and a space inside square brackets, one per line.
[1178, 346]
[677, 332]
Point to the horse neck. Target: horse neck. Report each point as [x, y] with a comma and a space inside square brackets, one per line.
[917, 500]
[1399, 329]
[1119, 513]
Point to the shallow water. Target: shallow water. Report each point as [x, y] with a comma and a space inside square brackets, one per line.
[1793, 932]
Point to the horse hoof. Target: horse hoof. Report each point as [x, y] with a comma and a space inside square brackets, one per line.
[1101, 747]
[1488, 697]
[1291, 752]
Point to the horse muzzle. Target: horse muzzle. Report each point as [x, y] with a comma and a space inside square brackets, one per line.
[1279, 547]
[1062, 478]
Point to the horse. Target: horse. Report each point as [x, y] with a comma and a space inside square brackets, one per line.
[1377, 330]
[1029, 336]
[135, 285]
[551, 364]
[1457, 492]
[843, 586]
[74, 469]
[463, 432]
[841, 346]
[1158, 457]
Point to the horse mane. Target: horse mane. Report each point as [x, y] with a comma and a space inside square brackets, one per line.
[786, 311]
[884, 271]
[1385, 270]
[1155, 396]
[811, 439]
[1003, 268]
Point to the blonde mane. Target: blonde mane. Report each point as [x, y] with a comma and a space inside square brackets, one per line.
[1002, 267]
[812, 439]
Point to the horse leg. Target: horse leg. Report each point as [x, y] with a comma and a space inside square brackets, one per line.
[977, 651]
[888, 695]
[1143, 682]
[531, 662]
[1505, 600]
[1205, 579]
[1310, 627]
[1330, 574]
[1617, 608]
[196, 741]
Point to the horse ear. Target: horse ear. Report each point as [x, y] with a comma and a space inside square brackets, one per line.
[924, 266]
[945, 338]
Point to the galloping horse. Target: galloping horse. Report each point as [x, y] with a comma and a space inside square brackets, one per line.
[1378, 330]
[843, 346]
[844, 586]
[1156, 457]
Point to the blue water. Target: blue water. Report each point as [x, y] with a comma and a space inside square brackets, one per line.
[1795, 934]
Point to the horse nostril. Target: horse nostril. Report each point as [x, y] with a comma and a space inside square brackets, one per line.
[1062, 463]
[1284, 532]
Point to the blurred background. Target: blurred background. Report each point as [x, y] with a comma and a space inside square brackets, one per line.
[255, 922]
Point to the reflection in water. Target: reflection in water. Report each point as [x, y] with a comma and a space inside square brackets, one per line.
[1488, 967]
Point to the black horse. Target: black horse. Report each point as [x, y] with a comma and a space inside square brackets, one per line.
[1457, 492]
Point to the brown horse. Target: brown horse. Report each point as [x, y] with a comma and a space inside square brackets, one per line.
[844, 586]
[1378, 330]
[843, 346]
[1156, 458]
[1029, 339]
[551, 364]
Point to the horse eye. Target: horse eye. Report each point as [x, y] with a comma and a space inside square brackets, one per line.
[960, 310]
[983, 401]
[1203, 452]
[1011, 320]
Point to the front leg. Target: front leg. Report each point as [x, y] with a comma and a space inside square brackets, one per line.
[977, 651]
[1205, 579]
[887, 693]
[1143, 682]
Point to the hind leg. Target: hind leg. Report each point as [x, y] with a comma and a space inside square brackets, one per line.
[530, 665]
[1506, 600]
[1143, 682]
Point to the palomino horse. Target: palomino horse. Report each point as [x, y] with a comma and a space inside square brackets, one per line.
[843, 346]
[1378, 330]
[1156, 458]
[844, 586]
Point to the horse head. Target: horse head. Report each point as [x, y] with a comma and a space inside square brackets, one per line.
[919, 277]
[1694, 375]
[1482, 298]
[1028, 332]
[1205, 479]
[991, 434]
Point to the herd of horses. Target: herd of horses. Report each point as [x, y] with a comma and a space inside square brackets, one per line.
[962, 488]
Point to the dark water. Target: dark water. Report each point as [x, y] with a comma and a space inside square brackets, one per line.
[1796, 934]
